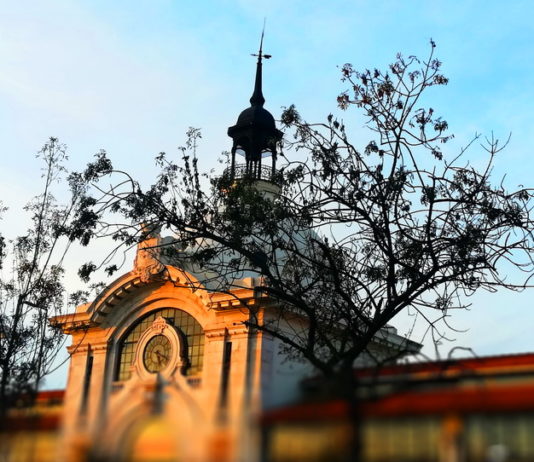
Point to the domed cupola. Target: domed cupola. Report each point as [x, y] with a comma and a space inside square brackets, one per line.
[255, 135]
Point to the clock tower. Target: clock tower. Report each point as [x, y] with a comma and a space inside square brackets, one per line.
[164, 367]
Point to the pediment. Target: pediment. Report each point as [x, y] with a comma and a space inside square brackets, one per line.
[126, 285]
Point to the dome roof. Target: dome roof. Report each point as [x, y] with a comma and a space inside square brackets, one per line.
[255, 130]
[255, 115]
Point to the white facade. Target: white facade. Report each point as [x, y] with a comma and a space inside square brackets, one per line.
[209, 415]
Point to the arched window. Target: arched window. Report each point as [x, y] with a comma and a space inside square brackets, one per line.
[184, 322]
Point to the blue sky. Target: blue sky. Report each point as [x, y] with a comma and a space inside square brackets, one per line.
[132, 76]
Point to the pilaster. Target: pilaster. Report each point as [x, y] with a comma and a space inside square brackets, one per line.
[211, 375]
[94, 403]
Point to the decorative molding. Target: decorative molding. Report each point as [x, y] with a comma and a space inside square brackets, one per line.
[70, 323]
[159, 324]
[232, 302]
[219, 332]
[101, 347]
[127, 284]
[238, 330]
[147, 263]
[75, 349]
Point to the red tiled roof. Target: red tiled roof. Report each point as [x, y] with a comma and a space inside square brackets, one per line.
[469, 400]
[457, 397]
[486, 399]
[472, 364]
[48, 395]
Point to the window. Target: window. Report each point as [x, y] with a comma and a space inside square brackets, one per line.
[184, 322]
[87, 382]
[512, 433]
[403, 439]
[227, 361]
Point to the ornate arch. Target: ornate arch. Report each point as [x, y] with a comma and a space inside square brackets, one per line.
[184, 331]
[126, 286]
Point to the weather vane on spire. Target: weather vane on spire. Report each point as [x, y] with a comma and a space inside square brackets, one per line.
[257, 98]
[260, 53]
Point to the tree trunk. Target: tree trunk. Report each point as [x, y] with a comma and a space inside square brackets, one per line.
[345, 387]
[5, 401]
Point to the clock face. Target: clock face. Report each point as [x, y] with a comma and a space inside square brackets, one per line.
[157, 353]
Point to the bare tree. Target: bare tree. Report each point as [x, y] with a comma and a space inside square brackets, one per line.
[348, 238]
[339, 244]
[31, 286]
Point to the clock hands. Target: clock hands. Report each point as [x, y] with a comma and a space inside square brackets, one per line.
[158, 357]
[161, 357]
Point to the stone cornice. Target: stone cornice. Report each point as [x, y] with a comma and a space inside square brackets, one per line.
[236, 299]
[222, 332]
[218, 332]
[85, 347]
[239, 330]
[70, 323]
[123, 287]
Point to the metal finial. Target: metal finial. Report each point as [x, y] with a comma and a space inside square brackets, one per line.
[260, 53]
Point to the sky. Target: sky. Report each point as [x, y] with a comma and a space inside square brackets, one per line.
[131, 76]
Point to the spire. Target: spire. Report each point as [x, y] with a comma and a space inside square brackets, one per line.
[257, 98]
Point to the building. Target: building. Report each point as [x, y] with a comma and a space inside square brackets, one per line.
[163, 367]
[464, 410]
[33, 428]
